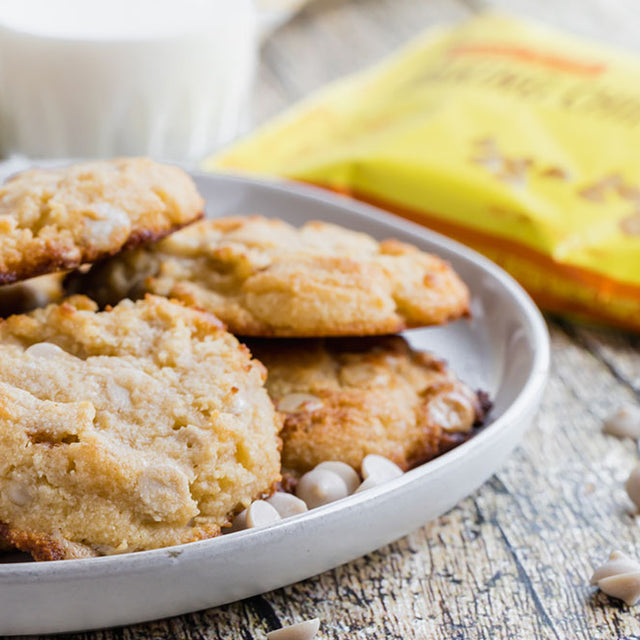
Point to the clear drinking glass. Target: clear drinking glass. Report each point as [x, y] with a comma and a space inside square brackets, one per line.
[100, 78]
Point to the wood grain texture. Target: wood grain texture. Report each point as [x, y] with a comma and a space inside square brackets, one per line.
[514, 559]
[614, 22]
[331, 38]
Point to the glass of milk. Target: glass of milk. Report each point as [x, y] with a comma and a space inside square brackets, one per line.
[100, 78]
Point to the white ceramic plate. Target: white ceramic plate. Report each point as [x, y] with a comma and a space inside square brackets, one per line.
[504, 350]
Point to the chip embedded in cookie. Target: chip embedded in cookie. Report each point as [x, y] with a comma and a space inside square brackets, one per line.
[263, 277]
[57, 219]
[346, 398]
[140, 427]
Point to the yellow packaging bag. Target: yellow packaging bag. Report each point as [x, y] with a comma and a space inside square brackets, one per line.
[518, 141]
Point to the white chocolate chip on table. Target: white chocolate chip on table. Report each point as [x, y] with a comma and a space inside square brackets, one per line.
[300, 631]
[624, 423]
[619, 577]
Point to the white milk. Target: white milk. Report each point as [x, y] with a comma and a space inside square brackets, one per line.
[166, 78]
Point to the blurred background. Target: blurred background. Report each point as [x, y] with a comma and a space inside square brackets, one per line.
[514, 135]
[177, 79]
[350, 35]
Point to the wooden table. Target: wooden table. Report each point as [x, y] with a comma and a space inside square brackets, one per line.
[514, 559]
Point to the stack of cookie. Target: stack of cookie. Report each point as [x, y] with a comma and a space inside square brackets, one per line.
[273, 285]
[148, 424]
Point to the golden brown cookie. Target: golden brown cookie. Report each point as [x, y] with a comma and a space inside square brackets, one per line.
[57, 219]
[140, 427]
[346, 398]
[263, 277]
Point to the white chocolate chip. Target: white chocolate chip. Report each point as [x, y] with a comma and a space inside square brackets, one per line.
[103, 549]
[377, 470]
[296, 401]
[618, 563]
[300, 631]
[321, 486]
[379, 467]
[624, 423]
[239, 522]
[20, 494]
[369, 483]
[44, 350]
[107, 222]
[364, 375]
[346, 472]
[260, 514]
[163, 491]
[452, 411]
[625, 586]
[632, 485]
[286, 504]
[619, 577]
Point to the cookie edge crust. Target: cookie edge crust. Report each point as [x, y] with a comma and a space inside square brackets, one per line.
[51, 261]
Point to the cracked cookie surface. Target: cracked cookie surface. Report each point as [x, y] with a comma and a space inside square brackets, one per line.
[140, 427]
[264, 277]
[57, 219]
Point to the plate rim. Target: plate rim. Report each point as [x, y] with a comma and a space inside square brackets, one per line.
[527, 397]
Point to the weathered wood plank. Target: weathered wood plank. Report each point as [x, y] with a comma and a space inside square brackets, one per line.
[618, 350]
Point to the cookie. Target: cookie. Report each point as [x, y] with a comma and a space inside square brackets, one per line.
[139, 427]
[57, 219]
[263, 277]
[346, 398]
